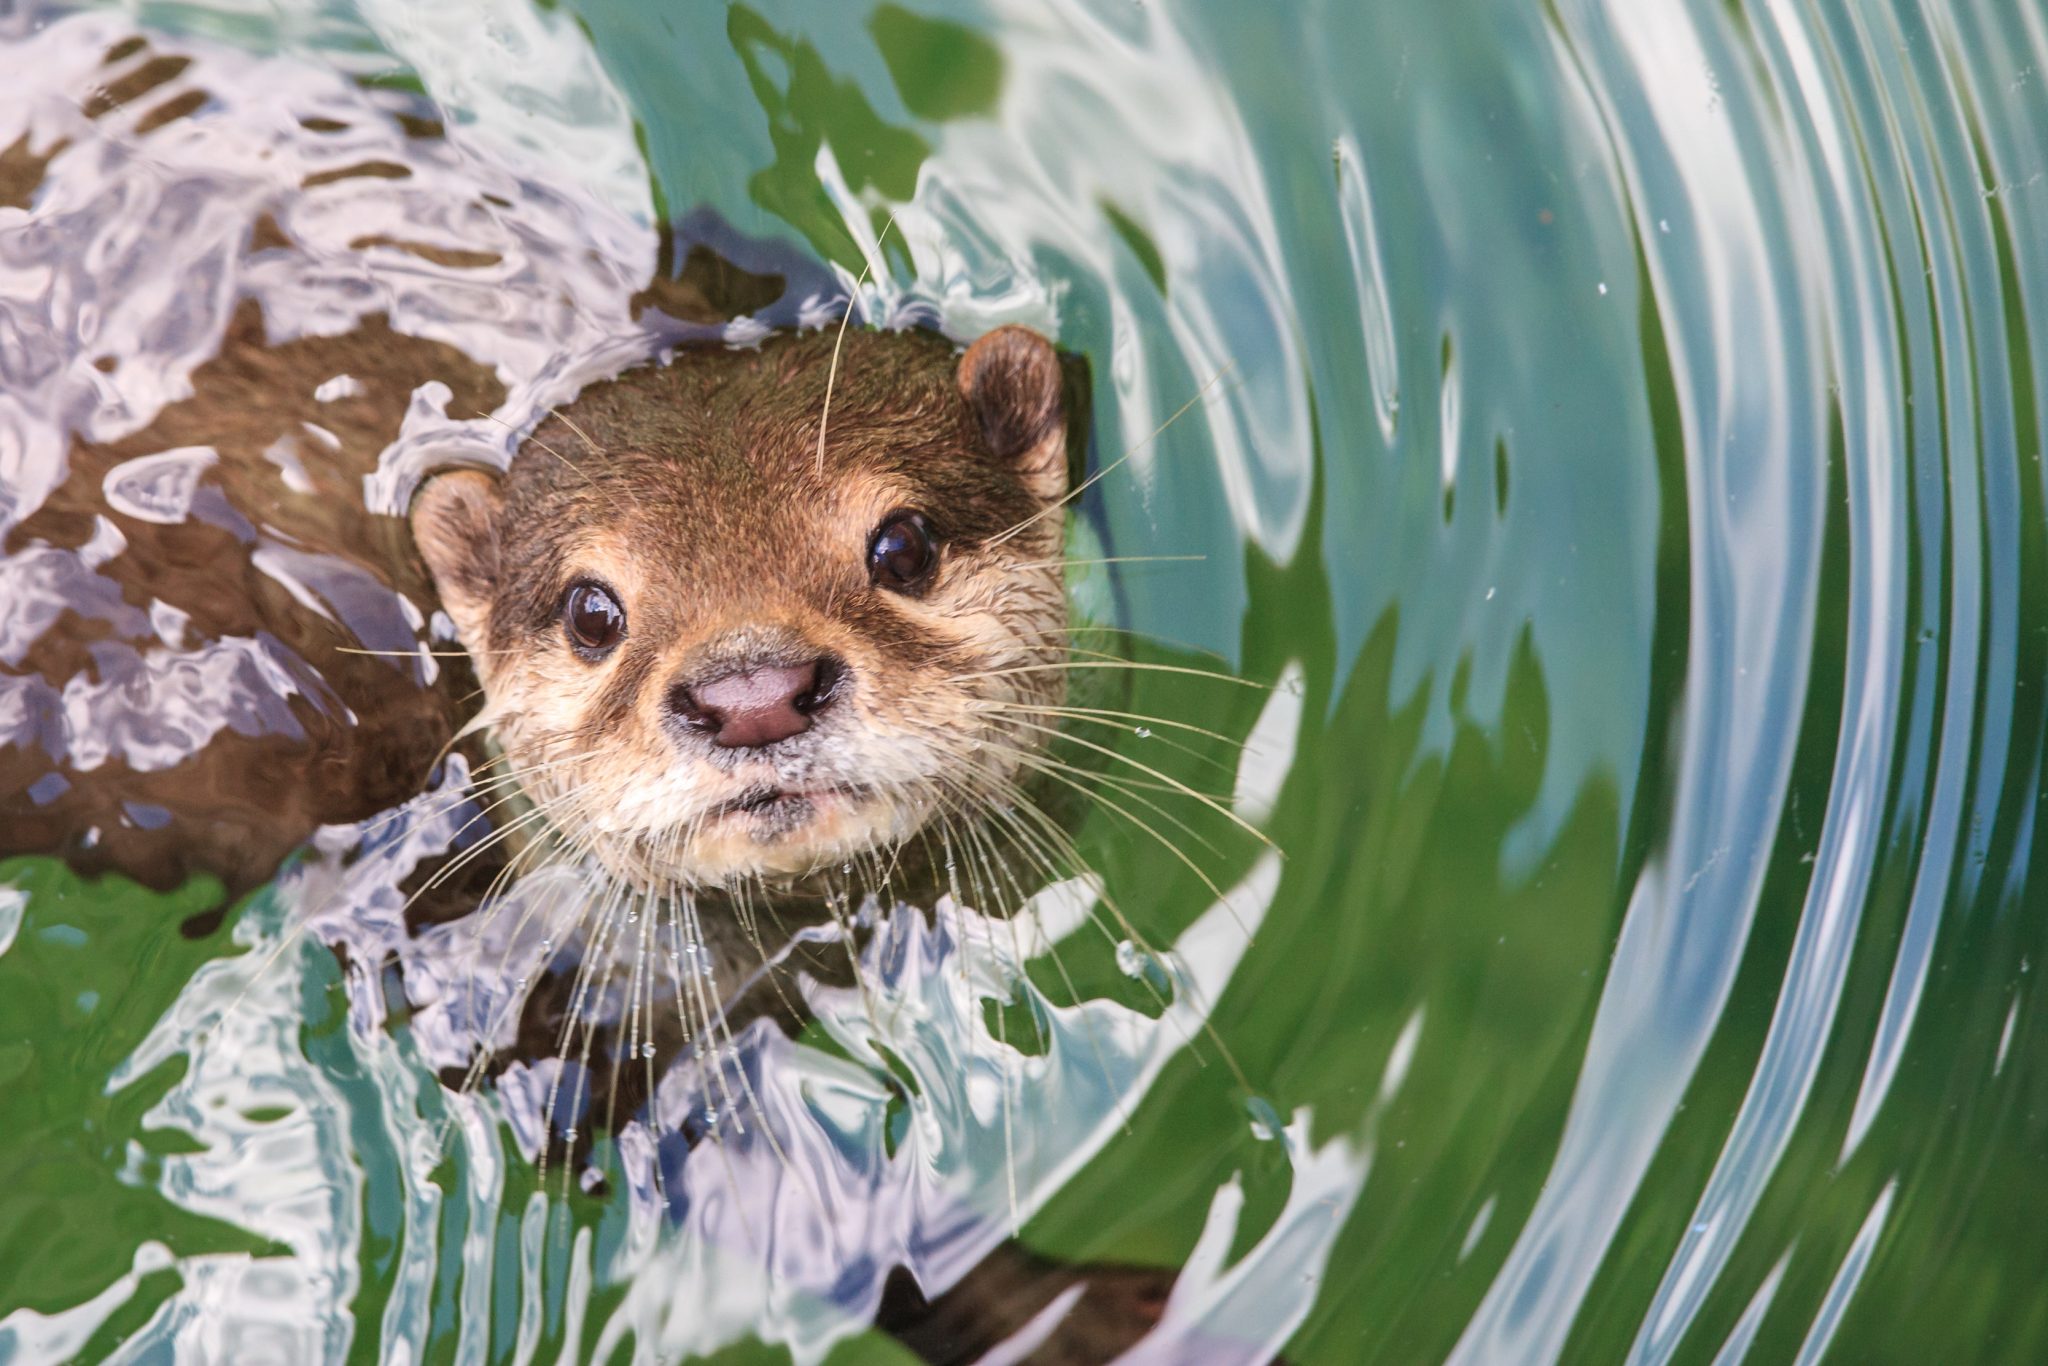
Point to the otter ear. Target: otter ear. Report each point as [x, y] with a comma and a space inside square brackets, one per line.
[1012, 381]
[455, 525]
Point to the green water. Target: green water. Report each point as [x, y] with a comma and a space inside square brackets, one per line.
[1622, 422]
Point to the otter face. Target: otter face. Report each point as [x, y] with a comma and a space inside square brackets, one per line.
[711, 651]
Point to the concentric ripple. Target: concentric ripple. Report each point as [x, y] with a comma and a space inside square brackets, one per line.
[1614, 427]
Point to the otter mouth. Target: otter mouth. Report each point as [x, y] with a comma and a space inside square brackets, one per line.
[770, 810]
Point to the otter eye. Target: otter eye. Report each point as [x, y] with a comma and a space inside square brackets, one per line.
[593, 619]
[902, 554]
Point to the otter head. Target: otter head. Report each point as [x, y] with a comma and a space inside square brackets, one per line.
[712, 649]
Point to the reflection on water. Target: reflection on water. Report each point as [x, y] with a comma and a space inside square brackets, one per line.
[1619, 424]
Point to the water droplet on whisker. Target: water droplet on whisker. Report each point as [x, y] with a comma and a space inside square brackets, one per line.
[1266, 1122]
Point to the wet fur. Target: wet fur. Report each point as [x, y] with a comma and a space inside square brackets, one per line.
[360, 734]
[692, 492]
[686, 482]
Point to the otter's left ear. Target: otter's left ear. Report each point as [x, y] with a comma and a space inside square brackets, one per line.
[1012, 381]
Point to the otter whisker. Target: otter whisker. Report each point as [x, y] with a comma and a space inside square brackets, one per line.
[1108, 559]
[291, 938]
[647, 1047]
[997, 871]
[487, 715]
[513, 1001]
[1113, 465]
[1136, 665]
[676, 956]
[1024, 637]
[519, 823]
[575, 427]
[703, 988]
[1024, 806]
[414, 654]
[832, 374]
[1015, 835]
[739, 898]
[1006, 713]
[1050, 831]
[1020, 984]
[1172, 783]
[966, 942]
[433, 804]
[767, 1129]
[489, 901]
[683, 959]
[1071, 649]
[1056, 642]
[617, 913]
[835, 908]
[534, 437]
[1127, 787]
[1110, 715]
[587, 971]
[953, 893]
[1165, 843]
[629, 1022]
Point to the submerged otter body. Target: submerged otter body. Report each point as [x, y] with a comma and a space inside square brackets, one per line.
[825, 553]
[203, 589]
[722, 569]
[751, 626]
[703, 513]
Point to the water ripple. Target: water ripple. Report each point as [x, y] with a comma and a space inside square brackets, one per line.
[1616, 427]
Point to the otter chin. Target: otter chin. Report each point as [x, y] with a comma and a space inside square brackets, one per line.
[754, 614]
[775, 830]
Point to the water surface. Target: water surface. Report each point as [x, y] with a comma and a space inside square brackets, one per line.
[1615, 426]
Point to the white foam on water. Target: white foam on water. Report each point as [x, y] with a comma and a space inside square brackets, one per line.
[785, 1241]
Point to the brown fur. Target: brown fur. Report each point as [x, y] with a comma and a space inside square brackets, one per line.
[359, 733]
[702, 504]
[366, 728]
[695, 493]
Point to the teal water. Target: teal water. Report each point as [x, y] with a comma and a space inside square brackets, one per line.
[1614, 425]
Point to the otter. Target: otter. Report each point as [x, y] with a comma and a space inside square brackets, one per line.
[750, 614]
[708, 660]
[753, 626]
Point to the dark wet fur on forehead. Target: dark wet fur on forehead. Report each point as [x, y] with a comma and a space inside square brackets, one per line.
[692, 462]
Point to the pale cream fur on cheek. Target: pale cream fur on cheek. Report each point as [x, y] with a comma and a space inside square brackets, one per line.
[626, 789]
[976, 611]
[547, 694]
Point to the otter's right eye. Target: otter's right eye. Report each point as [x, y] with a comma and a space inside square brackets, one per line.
[593, 618]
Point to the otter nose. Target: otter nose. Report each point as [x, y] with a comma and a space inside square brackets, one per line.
[748, 708]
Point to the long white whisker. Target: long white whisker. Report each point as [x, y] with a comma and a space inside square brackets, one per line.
[832, 374]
